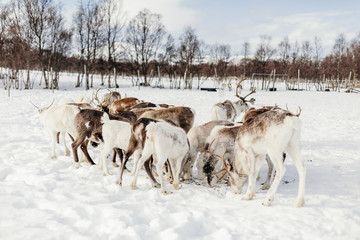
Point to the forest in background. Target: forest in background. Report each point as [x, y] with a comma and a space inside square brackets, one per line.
[100, 40]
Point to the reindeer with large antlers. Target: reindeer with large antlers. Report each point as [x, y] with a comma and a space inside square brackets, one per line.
[229, 110]
[106, 100]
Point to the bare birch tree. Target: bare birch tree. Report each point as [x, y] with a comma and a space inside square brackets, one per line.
[263, 54]
[188, 50]
[143, 40]
[88, 21]
[114, 22]
[245, 52]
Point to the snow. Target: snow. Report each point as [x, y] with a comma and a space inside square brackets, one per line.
[44, 198]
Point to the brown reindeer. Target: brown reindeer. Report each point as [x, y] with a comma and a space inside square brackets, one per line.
[123, 104]
[88, 124]
[181, 116]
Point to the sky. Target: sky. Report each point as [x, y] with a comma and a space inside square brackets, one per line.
[234, 22]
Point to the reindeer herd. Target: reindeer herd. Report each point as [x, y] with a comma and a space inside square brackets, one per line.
[161, 138]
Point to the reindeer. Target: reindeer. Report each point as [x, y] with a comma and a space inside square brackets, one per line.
[229, 110]
[103, 105]
[272, 132]
[221, 143]
[88, 124]
[108, 98]
[114, 134]
[58, 119]
[122, 104]
[181, 116]
[197, 138]
[140, 108]
[163, 140]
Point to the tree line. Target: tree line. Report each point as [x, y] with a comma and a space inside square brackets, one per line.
[100, 40]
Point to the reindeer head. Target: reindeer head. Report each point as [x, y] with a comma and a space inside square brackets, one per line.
[210, 164]
[243, 101]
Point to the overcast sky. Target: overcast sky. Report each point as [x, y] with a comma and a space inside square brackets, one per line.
[235, 21]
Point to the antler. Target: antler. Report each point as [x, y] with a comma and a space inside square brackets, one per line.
[95, 97]
[45, 107]
[253, 91]
[51, 103]
[252, 100]
[34, 105]
[238, 85]
[224, 169]
[298, 114]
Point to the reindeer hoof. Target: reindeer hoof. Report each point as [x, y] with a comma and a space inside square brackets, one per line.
[186, 177]
[248, 197]
[119, 182]
[133, 186]
[165, 192]
[265, 187]
[67, 153]
[176, 186]
[115, 165]
[107, 174]
[299, 203]
[267, 202]
[156, 185]
[53, 156]
[77, 165]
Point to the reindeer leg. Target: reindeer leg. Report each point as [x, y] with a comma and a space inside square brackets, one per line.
[168, 171]
[280, 171]
[159, 168]
[266, 184]
[103, 156]
[54, 135]
[119, 152]
[175, 171]
[145, 155]
[67, 151]
[75, 145]
[122, 171]
[148, 166]
[83, 147]
[254, 170]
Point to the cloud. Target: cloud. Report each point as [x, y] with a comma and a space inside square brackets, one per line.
[175, 15]
[298, 27]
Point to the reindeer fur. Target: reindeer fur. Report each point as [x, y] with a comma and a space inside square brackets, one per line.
[197, 136]
[273, 132]
[163, 140]
[182, 116]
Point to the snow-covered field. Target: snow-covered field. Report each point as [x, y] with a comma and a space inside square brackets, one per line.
[44, 198]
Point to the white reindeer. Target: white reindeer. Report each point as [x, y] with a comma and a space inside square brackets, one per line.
[229, 110]
[165, 142]
[58, 119]
[115, 134]
[197, 137]
[273, 132]
[221, 142]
